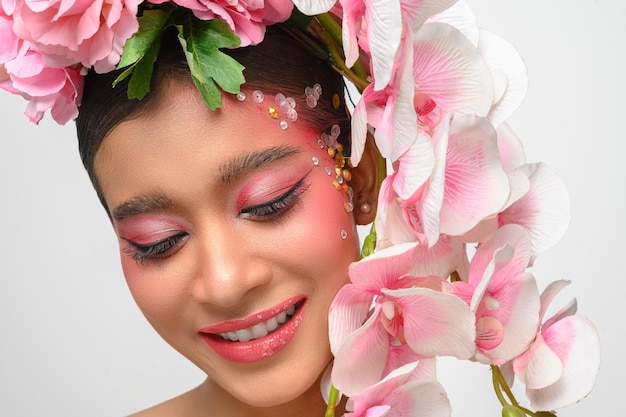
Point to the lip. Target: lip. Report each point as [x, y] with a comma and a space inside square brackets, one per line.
[261, 348]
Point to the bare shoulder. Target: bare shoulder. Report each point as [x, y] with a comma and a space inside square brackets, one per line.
[181, 405]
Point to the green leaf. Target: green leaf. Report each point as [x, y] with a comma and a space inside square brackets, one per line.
[369, 243]
[139, 84]
[141, 51]
[201, 41]
[151, 26]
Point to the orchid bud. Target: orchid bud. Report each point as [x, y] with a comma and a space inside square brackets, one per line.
[512, 411]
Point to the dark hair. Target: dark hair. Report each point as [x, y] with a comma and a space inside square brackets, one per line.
[279, 63]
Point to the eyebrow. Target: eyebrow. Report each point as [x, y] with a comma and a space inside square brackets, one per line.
[244, 164]
[228, 172]
[141, 204]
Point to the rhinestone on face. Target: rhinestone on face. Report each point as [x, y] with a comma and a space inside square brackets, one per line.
[258, 96]
[315, 160]
[279, 98]
[344, 234]
[283, 124]
[348, 206]
[328, 171]
[292, 115]
[320, 143]
[241, 96]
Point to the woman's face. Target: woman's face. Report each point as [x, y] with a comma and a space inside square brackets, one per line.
[226, 225]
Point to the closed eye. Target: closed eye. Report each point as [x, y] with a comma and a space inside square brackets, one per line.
[274, 208]
[155, 250]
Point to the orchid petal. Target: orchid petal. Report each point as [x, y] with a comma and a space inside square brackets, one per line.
[502, 57]
[358, 131]
[353, 12]
[543, 211]
[450, 71]
[313, 7]
[367, 346]
[461, 17]
[548, 294]
[384, 33]
[577, 343]
[435, 323]
[569, 310]
[441, 259]
[382, 268]
[513, 235]
[510, 147]
[415, 166]
[476, 186]
[347, 313]
[520, 316]
[427, 397]
[539, 366]
[398, 129]
[431, 204]
[391, 227]
[417, 11]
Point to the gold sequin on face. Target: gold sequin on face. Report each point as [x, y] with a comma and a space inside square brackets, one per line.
[273, 111]
[336, 101]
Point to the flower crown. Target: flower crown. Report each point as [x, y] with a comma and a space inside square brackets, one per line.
[460, 220]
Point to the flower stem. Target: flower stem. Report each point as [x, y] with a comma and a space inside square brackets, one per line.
[496, 385]
[335, 50]
[332, 402]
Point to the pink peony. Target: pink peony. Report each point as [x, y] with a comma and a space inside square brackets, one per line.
[56, 89]
[92, 33]
[246, 18]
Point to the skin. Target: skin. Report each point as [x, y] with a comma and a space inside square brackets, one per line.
[224, 261]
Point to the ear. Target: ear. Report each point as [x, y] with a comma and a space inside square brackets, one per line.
[364, 184]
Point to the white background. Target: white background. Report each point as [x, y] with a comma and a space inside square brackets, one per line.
[72, 342]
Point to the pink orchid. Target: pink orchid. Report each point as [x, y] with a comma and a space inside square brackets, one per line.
[56, 89]
[504, 297]
[401, 395]
[560, 366]
[447, 75]
[406, 310]
[77, 31]
[246, 18]
[466, 185]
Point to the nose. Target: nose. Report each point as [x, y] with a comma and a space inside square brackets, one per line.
[228, 269]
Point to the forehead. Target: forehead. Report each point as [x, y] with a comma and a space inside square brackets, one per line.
[181, 132]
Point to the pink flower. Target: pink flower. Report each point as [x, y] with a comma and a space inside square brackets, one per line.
[561, 365]
[407, 310]
[10, 42]
[89, 32]
[504, 297]
[246, 18]
[56, 89]
[436, 71]
[401, 395]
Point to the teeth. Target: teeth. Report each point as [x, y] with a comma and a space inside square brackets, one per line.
[260, 329]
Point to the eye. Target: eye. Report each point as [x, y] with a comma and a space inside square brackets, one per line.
[155, 250]
[274, 208]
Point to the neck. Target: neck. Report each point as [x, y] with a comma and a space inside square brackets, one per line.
[209, 399]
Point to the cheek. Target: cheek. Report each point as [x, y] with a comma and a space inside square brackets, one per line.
[315, 231]
[154, 288]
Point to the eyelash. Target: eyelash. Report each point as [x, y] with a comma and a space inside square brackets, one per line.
[155, 250]
[271, 210]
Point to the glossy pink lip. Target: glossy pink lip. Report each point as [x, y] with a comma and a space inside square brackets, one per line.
[261, 348]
